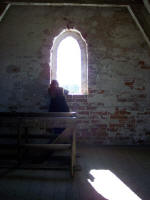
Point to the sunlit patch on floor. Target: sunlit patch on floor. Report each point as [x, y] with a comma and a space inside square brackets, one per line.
[110, 186]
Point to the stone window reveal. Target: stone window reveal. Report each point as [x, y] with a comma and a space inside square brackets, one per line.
[77, 68]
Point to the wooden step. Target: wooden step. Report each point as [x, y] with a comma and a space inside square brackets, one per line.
[48, 146]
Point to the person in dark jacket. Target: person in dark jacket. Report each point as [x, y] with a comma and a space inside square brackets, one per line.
[57, 98]
[57, 101]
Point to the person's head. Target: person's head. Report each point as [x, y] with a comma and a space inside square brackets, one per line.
[54, 84]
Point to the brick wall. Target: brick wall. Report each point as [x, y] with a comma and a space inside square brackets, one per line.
[117, 108]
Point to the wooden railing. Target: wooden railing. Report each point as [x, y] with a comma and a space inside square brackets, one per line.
[24, 123]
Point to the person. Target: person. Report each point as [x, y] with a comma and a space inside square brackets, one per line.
[57, 98]
[57, 102]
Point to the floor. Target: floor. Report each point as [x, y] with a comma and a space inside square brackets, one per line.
[130, 164]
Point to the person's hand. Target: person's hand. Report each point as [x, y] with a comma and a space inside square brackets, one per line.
[66, 92]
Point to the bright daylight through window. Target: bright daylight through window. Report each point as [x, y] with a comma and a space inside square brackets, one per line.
[69, 65]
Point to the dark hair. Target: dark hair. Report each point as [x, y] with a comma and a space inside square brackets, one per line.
[54, 89]
[54, 83]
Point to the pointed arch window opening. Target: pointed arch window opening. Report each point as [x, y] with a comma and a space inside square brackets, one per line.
[68, 61]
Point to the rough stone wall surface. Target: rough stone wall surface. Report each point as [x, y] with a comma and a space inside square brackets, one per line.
[117, 108]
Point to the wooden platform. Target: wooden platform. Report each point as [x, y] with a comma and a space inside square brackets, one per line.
[23, 122]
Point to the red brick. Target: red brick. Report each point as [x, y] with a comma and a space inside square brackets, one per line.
[143, 66]
[92, 91]
[120, 114]
[101, 92]
[140, 88]
[130, 83]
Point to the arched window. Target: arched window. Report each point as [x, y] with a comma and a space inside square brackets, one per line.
[68, 61]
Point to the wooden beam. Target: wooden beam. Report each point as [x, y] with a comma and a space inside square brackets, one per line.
[48, 146]
[117, 2]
